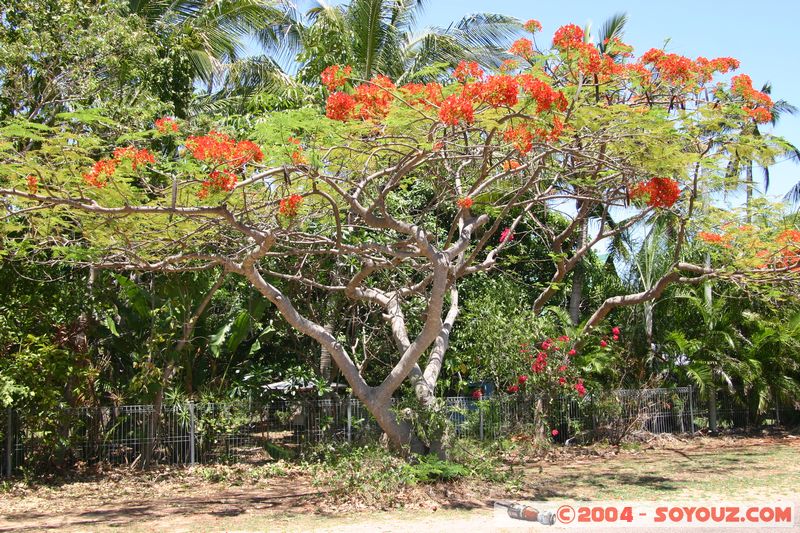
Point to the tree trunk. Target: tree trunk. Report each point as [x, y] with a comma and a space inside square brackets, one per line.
[576, 296]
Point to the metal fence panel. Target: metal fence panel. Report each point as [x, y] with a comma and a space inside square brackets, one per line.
[244, 432]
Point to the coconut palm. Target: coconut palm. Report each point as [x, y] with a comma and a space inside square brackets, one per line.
[201, 39]
[381, 37]
[741, 163]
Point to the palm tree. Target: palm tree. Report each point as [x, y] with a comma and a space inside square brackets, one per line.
[201, 39]
[741, 163]
[381, 37]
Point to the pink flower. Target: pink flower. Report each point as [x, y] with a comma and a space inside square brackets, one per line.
[477, 395]
[522, 379]
[603, 344]
[615, 330]
[616, 337]
[506, 235]
[554, 433]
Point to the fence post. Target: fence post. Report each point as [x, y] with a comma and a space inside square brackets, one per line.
[480, 410]
[191, 433]
[349, 418]
[9, 441]
[691, 408]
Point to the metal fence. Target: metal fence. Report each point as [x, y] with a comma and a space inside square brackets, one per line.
[245, 432]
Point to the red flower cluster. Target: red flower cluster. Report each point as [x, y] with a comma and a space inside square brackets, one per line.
[708, 67]
[759, 104]
[456, 108]
[468, 70]
[477, 395]
[33, 184]
[532, 26]
[506, 235]
[334, 76]
[711, 238]
[101, 172]
[568, 37]
[218, 180]
[522, 47]
[673, 68]
[136, 157]
[297, 153]
[658, 192]
[427, 94]
[465, 203]
[580, 388]
[104, 169]
[290, 205]
[511, 164]
[339, 106]
[221, 149]
[546, 98]
[512, 389]
[520, 137]
[499, 90]
[166, 125]
[371, 101]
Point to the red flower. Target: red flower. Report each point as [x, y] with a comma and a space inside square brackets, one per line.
[562, 380]
[334, 76]
[572, 352]
[512, 389]
[658, 192]
[290, 205]
[522, 47]
[467, 70]
[220, 180]
[506, 235]
[33, 184]
[616, 337]
[221, 149]
[615, 330]
[339, 106]
[603, 344]
[554, 433]
[521, 137]
[580, 388]
[532, 26]
[101, 172]
[511, 164]
[499, 90]
[297, 154]
[136, 157]
[522, 379]
[563, 338]
[465, 203]
[562, 368]
[569, 36]
[477, 395]
[455, 109]
[166, 125]
[374, 98]
[546, 98]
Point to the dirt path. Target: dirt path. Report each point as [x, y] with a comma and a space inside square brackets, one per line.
[711, 470]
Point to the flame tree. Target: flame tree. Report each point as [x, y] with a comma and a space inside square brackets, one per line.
[397, 193]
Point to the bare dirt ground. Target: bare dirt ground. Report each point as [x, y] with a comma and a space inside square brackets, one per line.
[720, 469]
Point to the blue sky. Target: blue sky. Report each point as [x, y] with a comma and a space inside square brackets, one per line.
[761, 34]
